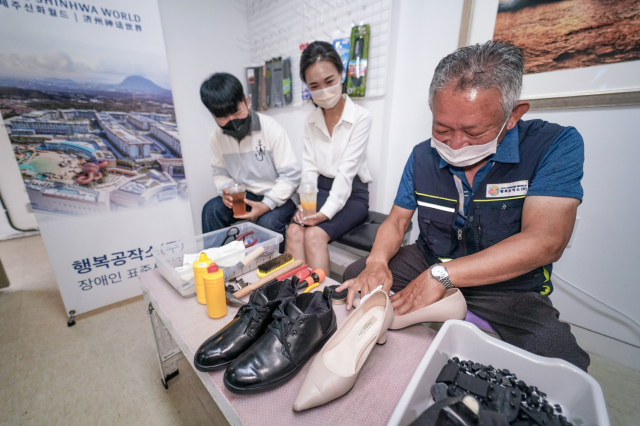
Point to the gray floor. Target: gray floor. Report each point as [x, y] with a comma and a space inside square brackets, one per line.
[103, 371]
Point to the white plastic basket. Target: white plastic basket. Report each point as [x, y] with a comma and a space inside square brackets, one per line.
[170, 256]
[578, 393]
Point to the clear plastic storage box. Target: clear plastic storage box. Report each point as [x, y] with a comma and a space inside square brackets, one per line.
[171, 255]
[578, 393]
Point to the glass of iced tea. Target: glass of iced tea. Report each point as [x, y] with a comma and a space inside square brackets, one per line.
[308, 198]
[238, 193]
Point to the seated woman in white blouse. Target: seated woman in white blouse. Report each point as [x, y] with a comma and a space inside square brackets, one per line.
[335, 155]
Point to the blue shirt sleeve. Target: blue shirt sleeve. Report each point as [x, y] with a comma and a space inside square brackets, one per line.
[406, 197]
[560, 171]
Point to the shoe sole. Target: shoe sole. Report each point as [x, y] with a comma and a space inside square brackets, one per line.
[283, 380]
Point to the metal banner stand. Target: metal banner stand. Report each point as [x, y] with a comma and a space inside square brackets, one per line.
[168, 351]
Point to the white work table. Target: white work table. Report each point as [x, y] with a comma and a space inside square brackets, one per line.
[380, 384]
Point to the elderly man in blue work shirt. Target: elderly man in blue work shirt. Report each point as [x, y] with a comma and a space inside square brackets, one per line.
[497, 198]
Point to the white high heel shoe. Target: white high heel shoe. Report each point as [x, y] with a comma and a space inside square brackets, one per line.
[335, 369]
[452, 306]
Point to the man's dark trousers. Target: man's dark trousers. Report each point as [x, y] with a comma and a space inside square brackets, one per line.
[526, 319]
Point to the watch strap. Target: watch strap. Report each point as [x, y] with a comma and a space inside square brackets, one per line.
[445, 281]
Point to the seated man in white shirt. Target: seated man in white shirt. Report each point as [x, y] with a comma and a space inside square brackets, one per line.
[251, 149]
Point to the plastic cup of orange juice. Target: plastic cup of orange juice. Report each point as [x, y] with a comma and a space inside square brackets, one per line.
[308, 198]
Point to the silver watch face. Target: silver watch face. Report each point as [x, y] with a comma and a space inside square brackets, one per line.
[439, 271]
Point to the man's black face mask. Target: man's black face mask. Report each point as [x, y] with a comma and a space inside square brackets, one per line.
[237, 128]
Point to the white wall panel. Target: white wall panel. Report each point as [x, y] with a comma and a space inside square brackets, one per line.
[278, 28]
[604, 253]
[200, 39]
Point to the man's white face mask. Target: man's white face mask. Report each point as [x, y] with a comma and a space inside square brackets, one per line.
[469, 154]
[329, 97]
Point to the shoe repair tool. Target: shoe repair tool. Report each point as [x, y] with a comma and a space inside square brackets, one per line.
[274, 264]
[241, 283]
[233, 236]
[294, 272]
[276, 83]
[232, 300]
[357, 57]
[199, 270]
[287, 94]
[215, 291]
[314, 280]
[338, 298]
[228, 272]
[302, 279]
[248, 289]
[302, 276]
[300, 273]
[303, 273]
[243, 236]
[232, 233]
[267, 82]
[357, 67]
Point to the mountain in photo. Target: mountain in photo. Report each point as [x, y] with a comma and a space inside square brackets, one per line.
[138, 83]
[132, 86]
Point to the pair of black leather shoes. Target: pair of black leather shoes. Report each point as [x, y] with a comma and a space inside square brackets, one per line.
[270, 339]
[251, 321]
[300, 327]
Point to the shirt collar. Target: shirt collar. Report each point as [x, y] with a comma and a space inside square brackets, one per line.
[255, 121]
[508, 150]
[348, 113]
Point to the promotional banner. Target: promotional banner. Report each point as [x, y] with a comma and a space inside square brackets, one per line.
[86, 102]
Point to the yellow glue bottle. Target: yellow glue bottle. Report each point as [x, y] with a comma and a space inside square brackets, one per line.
[199, 270]
[214, 289]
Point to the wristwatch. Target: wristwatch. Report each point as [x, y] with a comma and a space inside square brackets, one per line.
[439, 272]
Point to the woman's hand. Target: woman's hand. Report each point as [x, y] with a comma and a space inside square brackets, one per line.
[297, 218]
[314, 219]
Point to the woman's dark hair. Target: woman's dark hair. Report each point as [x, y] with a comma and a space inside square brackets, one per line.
[316, 52]
[221, 93]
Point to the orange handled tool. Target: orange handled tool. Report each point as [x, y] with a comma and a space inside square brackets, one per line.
[294, 272]
[302, 275]
[314, 280]
[248, 289]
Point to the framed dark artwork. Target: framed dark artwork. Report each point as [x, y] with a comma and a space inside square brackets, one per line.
[578, 53]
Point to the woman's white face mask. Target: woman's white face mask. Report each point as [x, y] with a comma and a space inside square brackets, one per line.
[327, 98]
[468, 155]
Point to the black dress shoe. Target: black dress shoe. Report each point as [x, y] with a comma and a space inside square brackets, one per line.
[301, 326]
[248, 325]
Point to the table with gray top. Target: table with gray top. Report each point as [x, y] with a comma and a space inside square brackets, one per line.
[181, 324]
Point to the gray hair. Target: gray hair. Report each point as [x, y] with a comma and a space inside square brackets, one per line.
[492, 65]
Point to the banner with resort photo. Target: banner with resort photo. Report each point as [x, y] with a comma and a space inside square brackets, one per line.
[86, 102]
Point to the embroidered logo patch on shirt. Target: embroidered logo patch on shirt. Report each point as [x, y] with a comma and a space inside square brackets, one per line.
[259, 151]
[513, 189]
